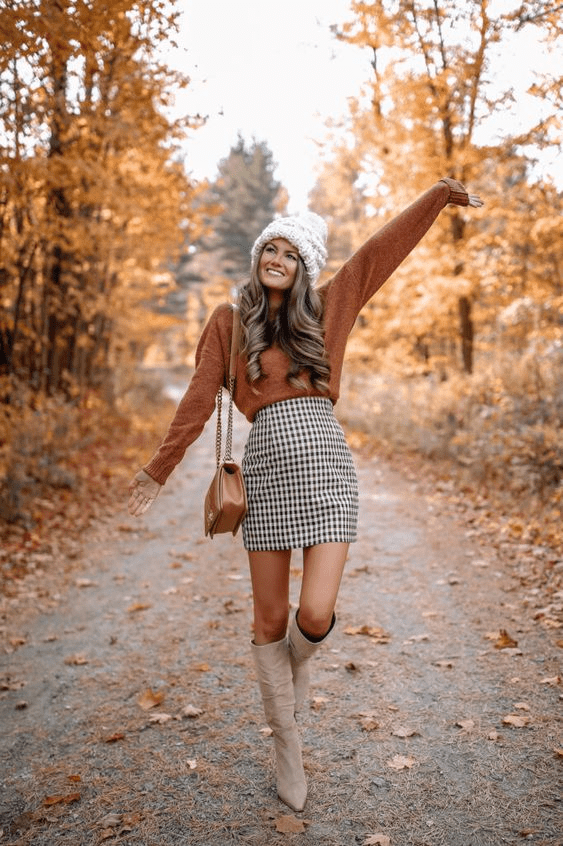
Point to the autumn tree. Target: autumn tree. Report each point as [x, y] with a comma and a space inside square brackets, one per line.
[91, 194]
[432, 89]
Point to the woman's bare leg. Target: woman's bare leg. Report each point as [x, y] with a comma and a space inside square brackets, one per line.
[323, 566]
[269, 572]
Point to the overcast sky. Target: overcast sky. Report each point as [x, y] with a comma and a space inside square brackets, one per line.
[273, 71]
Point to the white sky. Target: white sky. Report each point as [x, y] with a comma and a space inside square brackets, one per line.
[273, 71]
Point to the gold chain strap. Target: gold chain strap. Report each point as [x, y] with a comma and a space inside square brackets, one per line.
[219, 398]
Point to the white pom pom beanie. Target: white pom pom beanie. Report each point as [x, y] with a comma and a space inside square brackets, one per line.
[307, 232]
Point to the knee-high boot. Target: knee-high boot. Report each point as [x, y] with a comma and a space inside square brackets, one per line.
[300, 650]
[276, 686]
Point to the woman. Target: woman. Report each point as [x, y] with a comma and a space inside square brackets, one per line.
[300, 478]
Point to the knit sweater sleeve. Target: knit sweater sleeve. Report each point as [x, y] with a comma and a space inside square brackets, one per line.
[370, 266]
[197, 404]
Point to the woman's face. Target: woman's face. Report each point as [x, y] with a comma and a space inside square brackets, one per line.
[278, 264]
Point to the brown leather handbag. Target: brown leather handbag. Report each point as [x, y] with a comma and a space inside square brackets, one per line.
[225, 504]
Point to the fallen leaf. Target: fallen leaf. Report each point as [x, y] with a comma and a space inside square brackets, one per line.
[74, 778]
[202, 668]
[559, 752]
[85, 583]
[138, 606]
[416, 638]
[148, 699]
[17, 641]
[318, 702]
[7, 684]
[516, 720]
[552, 680]
[111, 820]
[401, 762]
[375, 632]
[493, 735]
[288, 824]
[77, 660]
[21, 705]
[369, 724]
[466, 725]
[192, 763]
[351, 667]
[505, 641]
[60, 800]
[521, 706]
[404, 732]
[192, 712]
[377, 840]
[113, 738]
[160, 718]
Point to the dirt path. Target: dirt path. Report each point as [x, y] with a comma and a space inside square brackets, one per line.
[420, 729]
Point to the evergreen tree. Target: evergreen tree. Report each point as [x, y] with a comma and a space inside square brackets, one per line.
[249, 197]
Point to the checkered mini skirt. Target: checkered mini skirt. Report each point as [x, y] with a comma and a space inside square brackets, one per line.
[300, 478]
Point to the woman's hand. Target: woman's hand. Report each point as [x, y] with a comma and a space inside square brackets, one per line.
[459, 195]
[143, 491]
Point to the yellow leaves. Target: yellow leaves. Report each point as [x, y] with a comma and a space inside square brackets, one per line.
[149, 699]
[502, 640]
[376, 633]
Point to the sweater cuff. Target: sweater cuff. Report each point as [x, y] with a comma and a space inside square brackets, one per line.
[458, 194]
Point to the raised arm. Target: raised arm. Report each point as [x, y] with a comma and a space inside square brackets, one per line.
[370, 266]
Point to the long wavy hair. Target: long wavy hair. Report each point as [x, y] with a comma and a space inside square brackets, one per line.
[297, 329]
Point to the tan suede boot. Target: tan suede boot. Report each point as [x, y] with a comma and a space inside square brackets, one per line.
[276, 687]
[300, 650]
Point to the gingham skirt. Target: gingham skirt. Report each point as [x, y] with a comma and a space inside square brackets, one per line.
[300, 478]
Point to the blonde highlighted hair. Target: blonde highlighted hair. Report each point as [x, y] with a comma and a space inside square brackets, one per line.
[297, 329]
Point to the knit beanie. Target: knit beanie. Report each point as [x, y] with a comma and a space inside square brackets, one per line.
[307, 232]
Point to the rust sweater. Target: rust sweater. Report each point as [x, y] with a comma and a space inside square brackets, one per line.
[344, 296]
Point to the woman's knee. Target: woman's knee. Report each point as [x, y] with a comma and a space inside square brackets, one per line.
[270, 625]
[315, 621]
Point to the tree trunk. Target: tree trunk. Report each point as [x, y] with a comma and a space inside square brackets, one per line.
[466, 331]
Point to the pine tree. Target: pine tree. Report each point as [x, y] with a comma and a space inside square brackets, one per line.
[248, 195]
